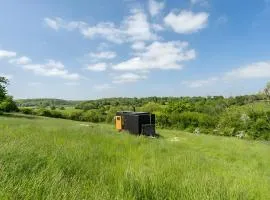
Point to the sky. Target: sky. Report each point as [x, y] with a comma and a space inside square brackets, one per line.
[134, 48]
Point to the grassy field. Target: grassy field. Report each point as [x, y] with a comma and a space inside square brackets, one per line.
[44, 158]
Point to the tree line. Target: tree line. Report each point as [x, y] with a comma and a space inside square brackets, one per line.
[243, 116]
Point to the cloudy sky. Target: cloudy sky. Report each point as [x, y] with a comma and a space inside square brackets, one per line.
[104, 48]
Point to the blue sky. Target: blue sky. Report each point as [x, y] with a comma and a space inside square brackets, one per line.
[92, 49]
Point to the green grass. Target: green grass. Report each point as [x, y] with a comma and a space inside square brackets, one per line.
[44, 158]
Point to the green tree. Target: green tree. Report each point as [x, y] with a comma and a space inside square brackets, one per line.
[8, 105]
[151, 107]
[267, 91]
[3, 88]
[53, 107]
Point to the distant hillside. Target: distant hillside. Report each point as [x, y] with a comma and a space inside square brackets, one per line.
[45, 102]
[137, 102]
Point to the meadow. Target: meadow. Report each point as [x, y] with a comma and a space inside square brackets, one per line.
[45, 158]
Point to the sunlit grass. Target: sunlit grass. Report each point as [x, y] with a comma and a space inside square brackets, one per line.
[44, 158]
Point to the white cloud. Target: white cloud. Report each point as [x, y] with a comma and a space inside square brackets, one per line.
[200, 83]
[106, 30]
[134, 27]
[158, 55]
[7, 54]
[21, 61]
[57, 23]
[52, 69]
[157, 27]
[8, 76]
[186, 21]
[103, 55]
[137, 27]
[103, 87]
[155, 7]
[52, 23]
[128, 78]
[254, 70]
[138, 46]
[200, 2]
[98, 67]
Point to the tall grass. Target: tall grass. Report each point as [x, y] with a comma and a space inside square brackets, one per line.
[59, 159]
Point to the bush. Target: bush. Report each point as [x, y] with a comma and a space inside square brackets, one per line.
[260, 129]
[27, 111]
[44, 112]
[192, 119]
[93, 116]
[8, 105]
[56, 114]
[151, 107]
[110, 116]
[75, 115]
[253, 121]
[162, 120]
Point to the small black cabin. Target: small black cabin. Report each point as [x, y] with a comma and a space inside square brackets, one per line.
[137, 122]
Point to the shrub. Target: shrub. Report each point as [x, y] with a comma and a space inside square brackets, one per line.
[75, 115]
[8, 105]
[192, 119]
[260, 129]
[44, 112]
[252, 120]
[162, 120]
[56, 114]
[92, 116]
[27, 111]
[110, 116]
[151, 107]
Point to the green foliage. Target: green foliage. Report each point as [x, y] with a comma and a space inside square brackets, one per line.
[151, 107]
[44, 158]
[111, 113]
[231, 116]
[44, 112]
[191, 119]
[27, 111]
[45, 102]
[267, 91]
[75, 115]
[8, 105]
[3, 90]
[252, 120]
[92, 116]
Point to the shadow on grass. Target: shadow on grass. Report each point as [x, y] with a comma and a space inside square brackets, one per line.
[18, 115]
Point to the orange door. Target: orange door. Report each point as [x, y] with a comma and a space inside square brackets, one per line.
[118, 122]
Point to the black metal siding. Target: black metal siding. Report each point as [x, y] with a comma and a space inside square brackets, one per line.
[145, 119]
[132, 124]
